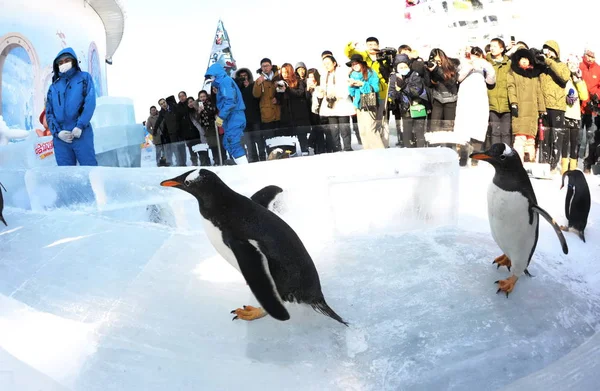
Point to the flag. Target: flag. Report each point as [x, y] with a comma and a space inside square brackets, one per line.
[221, 50]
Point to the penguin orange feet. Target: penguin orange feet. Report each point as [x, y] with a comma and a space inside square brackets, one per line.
[502, 260]
[507, 285]
[249, 313]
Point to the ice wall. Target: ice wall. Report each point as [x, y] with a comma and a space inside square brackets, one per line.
[358, 193]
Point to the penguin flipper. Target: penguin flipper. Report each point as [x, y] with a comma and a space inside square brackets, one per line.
[561, 237]
[568, 199]
[266, 195]
[253, 266]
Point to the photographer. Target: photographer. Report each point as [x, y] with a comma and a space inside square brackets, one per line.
[443, 79]
[336, 107]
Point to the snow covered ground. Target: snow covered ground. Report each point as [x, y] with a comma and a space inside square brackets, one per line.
[120, 295]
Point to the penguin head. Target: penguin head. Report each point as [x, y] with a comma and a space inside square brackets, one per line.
[500, 155]
[196, 182]
[574, 176]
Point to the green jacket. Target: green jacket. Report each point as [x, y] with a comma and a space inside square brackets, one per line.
[554, 80]
[498, 96]
[525, 91]
[374, 65]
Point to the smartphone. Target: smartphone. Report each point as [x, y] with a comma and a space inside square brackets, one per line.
[512, 38]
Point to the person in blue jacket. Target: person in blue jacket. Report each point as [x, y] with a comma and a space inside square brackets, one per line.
[231, 117]
[70, 105]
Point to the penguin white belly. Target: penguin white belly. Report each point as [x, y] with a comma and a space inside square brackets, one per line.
[508, 213]
[215, 236]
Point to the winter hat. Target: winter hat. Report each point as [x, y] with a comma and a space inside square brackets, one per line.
[401, 58]
[355, 58]
[300, 65]
[589, 52]
[326, 53]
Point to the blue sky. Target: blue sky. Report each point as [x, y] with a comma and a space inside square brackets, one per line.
[167, 43]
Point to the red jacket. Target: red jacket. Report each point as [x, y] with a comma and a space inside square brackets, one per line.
[591, 76]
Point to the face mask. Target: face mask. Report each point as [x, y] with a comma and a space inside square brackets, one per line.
[404, 72]
[65, 67]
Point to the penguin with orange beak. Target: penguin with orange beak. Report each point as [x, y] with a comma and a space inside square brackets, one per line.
[259, 244]
[513, 213]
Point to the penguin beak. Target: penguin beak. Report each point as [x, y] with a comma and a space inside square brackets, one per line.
[480, 156]
[170, 183]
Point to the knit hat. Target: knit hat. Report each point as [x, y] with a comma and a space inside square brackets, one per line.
[589, 52]
[401, 58]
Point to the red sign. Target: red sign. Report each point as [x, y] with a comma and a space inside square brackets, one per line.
[43, 150]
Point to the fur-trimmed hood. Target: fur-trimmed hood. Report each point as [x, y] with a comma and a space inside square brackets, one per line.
[250, 76]
[529, 73]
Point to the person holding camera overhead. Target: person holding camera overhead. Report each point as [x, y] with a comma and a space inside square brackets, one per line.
[443, 77]
[363, 86]
[335, 107]
[294, 109]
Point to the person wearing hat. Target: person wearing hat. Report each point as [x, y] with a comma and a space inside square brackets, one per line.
[590, 73]
[363, 81]
[70, 106]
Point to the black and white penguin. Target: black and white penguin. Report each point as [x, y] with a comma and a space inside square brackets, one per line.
[259, 244]
[513, 213]
[2, 204]
[266, 196]
[577, 202]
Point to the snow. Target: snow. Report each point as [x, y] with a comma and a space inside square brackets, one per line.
[108, 282]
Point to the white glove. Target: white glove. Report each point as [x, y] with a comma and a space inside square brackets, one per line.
[65, 136]
[76, 132]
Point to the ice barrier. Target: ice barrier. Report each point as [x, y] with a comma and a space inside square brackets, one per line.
[358, 193]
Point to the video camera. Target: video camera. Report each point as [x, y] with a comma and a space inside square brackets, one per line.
[593, 105]
[387, 54]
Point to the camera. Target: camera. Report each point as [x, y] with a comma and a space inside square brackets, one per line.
[281, 83]
[594, 104]
[387, 54]
[331, 102]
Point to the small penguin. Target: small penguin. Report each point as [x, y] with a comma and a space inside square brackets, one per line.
[577, 202]
[2, 204]
[513, 213]
[266, 196]
[259, 244]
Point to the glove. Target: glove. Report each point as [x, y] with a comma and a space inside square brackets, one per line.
[571, 97]
[76, 132]
[65, 136]
[514, 110]
[219, 121]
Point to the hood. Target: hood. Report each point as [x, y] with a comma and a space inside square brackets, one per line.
[217, 71]
[250, 76]
[401, 58]
[69, 51]
[514, 65]
[554, 46]
[300, 65]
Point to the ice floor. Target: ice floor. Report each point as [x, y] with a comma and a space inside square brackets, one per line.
[92, 302]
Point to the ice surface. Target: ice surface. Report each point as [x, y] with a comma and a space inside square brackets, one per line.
[136, 305]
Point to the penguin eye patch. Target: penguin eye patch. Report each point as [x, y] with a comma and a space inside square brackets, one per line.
[502, 157]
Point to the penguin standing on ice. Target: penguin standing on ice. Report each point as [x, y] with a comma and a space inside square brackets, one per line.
[2, 204]
[577, 202]
[513, 213]
[259, 244]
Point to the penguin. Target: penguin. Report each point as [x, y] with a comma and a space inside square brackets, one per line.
[577, 202]
[259, 244]
[513, 213]
[266, 196]
[2, 204]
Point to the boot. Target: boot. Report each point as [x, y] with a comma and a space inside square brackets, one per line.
[564, 165]
[572, 164]
[519, 146]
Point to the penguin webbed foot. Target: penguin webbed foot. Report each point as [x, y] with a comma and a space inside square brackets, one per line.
[506, 285]
[502, 260]
[248, 313]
